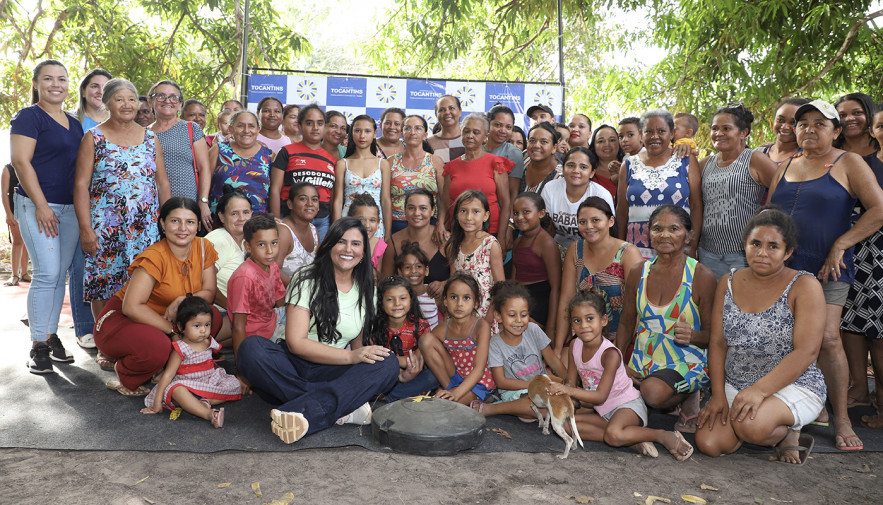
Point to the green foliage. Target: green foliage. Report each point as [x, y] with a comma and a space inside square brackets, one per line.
[196, 43]
[716, 51]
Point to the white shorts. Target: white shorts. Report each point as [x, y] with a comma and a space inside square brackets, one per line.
[804, 405]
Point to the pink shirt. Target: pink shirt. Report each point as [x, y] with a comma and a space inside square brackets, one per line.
[252, 291]
[590, 372]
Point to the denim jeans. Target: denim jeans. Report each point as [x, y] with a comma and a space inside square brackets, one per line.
[51, 258]
[322, 393]
[424, 382]
[80, 310]
[721, 264]
[321, 224]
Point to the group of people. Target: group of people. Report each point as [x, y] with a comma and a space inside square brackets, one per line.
[341, 263]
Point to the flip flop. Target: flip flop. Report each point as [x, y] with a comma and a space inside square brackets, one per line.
[684, 440]
[117, 386]
[682, 426]
[851, 402]
[845, 447]
[804, 449]
[477, 405]
[26, 278]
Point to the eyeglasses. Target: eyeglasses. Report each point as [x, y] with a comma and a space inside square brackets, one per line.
[415, 129]
[161, 97]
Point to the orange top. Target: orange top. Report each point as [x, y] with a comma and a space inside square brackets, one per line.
[173, 277]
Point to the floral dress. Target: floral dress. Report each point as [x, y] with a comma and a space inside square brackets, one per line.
[478, 265]
[124, 208]
[251, 175]
[404, 181]
[353, 185]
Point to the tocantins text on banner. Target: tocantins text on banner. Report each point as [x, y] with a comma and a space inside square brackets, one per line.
[353, 96]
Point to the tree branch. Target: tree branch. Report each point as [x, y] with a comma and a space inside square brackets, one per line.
[59, 22]
[210, 37]
[850, 36]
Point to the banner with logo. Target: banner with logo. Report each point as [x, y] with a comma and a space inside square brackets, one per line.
[353, 96]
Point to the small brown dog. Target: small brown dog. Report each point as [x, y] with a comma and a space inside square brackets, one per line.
[560, 407]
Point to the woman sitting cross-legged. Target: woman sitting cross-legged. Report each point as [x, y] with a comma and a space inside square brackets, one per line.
[765, 338]
[311, 376]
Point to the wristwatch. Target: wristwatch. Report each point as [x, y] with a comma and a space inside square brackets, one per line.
[203, 199]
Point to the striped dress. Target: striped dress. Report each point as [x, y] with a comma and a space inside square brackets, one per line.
[730, 196]
[198, 374]
[655, 347]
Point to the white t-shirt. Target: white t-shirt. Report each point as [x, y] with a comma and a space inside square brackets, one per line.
[230, 256]
[563, 211]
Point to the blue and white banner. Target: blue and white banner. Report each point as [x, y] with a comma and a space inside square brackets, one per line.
[371, 95]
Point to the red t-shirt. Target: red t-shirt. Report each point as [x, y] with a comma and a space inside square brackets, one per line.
[407, 337]
[478, 174]
[252, 291]
[606, 184]
[302, 164]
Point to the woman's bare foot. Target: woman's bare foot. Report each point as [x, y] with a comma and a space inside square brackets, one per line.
[873, 422]
[677, 445]
[790, 455]
[823, 419]
[647, 449]
[845, 438]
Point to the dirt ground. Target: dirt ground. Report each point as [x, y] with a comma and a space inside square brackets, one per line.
[355, 475]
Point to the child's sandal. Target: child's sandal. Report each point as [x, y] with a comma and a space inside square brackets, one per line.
[218, 417]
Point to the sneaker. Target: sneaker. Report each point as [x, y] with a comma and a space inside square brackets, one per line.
[58, 352]
[40, 363]
[361, 415]
[87, 341]
[288, 426]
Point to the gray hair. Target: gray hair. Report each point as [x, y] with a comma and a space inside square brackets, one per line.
[478, 117]
[240, 113]
[664, 114]
[114, 85]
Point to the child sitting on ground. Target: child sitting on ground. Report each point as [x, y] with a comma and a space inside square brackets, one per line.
[190, 379]
[516, 355]
[256, 288]
[457, 352]
[619, 415]
[398, 326]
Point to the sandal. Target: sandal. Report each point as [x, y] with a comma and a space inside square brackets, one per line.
[218, 417]
[117, 386]
[13, 281]
[686, 424]
[25, 278]
[804, 449]
[681, 440]
[105, 362]
[477, 405]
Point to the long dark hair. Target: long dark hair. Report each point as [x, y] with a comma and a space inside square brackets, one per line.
[452, 248]
[84, 83]
[350, 145]
[379, 334]
[325, 309]
[867, 104]
[619, 154]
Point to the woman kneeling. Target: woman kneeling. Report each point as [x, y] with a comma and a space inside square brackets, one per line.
[765, 338]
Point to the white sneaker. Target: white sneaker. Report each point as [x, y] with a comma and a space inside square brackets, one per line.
[288, 426]
[361, 415]
[87, 341]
